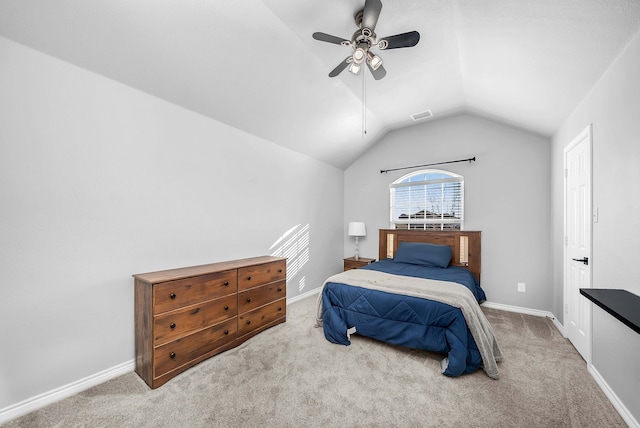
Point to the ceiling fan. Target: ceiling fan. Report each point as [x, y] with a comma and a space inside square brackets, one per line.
[364, 39]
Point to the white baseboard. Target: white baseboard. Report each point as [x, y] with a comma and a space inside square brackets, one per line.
[304, 295]
[527, 311]
[620, 407]
[39, 401]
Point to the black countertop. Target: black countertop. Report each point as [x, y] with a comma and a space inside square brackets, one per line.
[623, 305]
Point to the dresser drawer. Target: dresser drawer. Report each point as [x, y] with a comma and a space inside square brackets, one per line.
[171, 325]
[352, 263]
[257, 318]
[175, 354]
[258, 296]
[172, 295]
[253, 276]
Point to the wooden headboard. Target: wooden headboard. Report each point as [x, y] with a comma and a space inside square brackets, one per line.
[465, 245]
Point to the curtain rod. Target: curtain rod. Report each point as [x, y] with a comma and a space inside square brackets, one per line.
[384, 171]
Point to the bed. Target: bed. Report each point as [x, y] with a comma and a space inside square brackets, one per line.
[423, 293]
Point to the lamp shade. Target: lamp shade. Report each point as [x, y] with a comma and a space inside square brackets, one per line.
[356, 228]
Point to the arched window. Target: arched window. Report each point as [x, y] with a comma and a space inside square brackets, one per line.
[430, 199]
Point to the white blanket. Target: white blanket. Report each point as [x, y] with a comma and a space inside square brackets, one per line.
[451, 293]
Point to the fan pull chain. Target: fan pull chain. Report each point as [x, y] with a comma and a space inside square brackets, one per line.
[364, 104]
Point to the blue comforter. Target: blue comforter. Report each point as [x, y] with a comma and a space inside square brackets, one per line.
[405, 320]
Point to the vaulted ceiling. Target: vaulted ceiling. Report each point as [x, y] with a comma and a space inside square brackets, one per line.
[253, 64]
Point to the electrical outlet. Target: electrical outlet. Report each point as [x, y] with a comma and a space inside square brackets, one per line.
[521, 287]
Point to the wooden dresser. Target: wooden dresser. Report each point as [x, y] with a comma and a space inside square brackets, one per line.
[184, 316]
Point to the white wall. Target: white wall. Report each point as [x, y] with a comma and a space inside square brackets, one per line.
[613, 107]
[506, 197]
[99, 181]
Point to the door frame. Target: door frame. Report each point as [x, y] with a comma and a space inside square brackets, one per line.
[587, 134]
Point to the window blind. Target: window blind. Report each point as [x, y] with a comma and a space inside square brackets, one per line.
[427, 200]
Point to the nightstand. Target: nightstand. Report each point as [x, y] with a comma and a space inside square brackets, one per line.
[352, 263]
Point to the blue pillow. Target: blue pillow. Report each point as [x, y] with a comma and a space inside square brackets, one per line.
[418, 253]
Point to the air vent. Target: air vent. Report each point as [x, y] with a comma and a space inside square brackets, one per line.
[421, 116]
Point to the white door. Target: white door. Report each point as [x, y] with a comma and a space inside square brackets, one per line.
[577, 264]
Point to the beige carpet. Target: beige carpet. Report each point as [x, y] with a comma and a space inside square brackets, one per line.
[291, 376]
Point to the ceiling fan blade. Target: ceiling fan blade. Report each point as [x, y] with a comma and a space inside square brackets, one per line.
[340, 67]
[371, 13]
[379, 73]
[323, 37]
[404, 40]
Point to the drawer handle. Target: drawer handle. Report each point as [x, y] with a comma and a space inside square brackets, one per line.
[279, 309]
[172, 295]
[279, 289]
[226, 332]
[226, 307]
[248, 299]
[173, 325]
[248, 278]
[172, 355]
[226, 283]
[248, 322]
[279, 270]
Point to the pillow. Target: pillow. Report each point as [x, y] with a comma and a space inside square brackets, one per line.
[419, 253]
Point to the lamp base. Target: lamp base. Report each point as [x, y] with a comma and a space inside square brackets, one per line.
[357, 255]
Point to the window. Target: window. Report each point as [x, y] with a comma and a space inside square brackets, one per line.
[429, 199]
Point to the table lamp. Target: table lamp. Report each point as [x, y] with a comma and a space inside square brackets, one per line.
[357, 229]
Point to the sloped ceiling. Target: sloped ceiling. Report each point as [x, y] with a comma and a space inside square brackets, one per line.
[253, 63]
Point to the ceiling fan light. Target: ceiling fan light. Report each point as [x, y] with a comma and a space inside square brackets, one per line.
[374, 61]
[354, 67]
[358, 56]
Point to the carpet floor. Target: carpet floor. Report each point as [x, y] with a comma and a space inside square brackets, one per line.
[291, 376]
